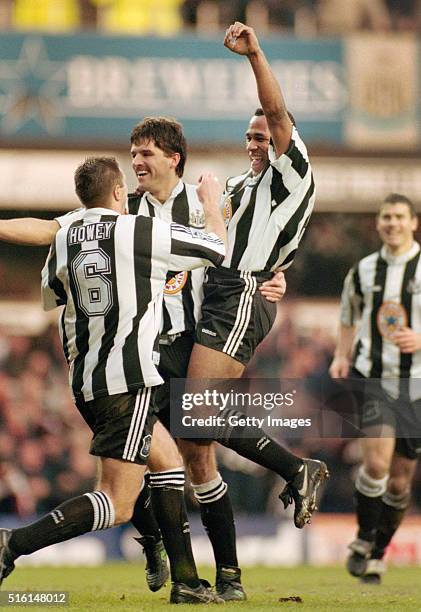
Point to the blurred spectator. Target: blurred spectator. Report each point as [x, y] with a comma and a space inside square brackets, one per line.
[160, 17]
[53, 15]
[405, 14]
[337, 18]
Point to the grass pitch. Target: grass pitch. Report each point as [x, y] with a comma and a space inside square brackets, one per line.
[122, 587]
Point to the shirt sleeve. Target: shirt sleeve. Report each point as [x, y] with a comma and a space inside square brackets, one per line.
[351, 299]
[53, 293]
[293, 165]
[192, 248]
[70, 217]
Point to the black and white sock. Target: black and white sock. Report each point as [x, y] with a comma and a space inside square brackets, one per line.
[368, 503]
[89, 512]
[218, 520]
[143, 518]
[167, 493]
[392, 512]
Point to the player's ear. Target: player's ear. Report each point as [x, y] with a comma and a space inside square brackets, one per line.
[414, 223]
[175, 160]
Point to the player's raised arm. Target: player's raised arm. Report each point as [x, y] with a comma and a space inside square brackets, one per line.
[242, 39]
[28, 231]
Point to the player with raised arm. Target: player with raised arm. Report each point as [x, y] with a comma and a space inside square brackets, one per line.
[267, 210]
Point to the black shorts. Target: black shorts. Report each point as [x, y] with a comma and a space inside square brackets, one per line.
[122, 424]
[378, 409]
[235, 315]
[173, 363]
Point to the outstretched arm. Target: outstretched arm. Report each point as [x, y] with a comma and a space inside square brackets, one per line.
[242, 39]
[29, 231]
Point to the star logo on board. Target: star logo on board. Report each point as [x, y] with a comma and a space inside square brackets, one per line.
[31, 88]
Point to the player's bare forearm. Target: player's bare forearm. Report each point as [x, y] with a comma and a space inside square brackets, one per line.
[268, 89]
[242, 40]
[28, 231]
[342, 357]
[209, 192]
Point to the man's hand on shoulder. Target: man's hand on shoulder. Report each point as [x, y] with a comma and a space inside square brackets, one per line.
[241, 39]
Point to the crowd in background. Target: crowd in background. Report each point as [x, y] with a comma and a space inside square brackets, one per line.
[44, 442]
[169, 17]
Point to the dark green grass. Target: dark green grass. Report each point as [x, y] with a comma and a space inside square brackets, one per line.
[122, 587]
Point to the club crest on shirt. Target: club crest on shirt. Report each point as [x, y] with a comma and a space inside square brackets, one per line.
[414, 286]
[197, 219]
[227, 210]
[391, 317]
[176, 283]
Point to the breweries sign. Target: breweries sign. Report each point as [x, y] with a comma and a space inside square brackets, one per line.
[89, 89]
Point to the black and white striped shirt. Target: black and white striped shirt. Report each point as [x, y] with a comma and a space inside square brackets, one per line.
[109, 271]
[183, 292]
[382, 293]
[266, 215]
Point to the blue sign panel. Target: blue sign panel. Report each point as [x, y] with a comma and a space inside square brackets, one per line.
[90, 88]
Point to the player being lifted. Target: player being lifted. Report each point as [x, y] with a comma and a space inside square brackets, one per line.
[267, 210]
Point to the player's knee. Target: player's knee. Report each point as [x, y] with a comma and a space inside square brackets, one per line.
[399, 485]
[163, 462]
[201, 473]
[199, 459]
[123, 501]
[377, 467]
[123, 511]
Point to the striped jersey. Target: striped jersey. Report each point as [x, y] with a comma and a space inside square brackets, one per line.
[109, 271]
[183, 292]
[383, 293]
[266, 215]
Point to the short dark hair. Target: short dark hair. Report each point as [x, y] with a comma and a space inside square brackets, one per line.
[260, 113]
[95, 178]
[167, 135]
[398, 198]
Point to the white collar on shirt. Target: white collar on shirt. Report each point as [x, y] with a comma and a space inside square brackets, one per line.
[177, 189]
[395, 260]
[93, 212]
